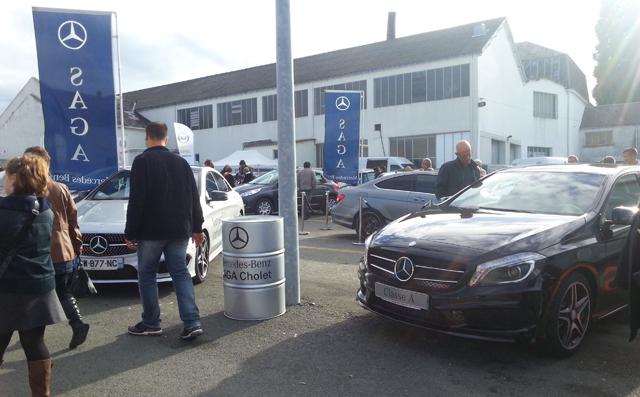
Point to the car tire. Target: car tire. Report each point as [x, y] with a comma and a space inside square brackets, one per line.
[569, 316]
[201, 261]
[371, 223]
[264, 206]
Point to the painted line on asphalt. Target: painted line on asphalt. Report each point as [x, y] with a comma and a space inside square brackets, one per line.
[345, 251]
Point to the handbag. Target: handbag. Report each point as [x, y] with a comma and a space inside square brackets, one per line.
[80, 284]
[8, 258]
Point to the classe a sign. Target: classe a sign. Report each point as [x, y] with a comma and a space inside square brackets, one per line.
[75, 62]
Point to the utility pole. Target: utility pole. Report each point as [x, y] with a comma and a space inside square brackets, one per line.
[287, 193]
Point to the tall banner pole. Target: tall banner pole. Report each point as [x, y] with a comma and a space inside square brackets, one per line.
[121, 109]
[287, 201]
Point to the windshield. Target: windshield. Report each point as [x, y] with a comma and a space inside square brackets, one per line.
[266, 179]
[536, 192]
[117, 187]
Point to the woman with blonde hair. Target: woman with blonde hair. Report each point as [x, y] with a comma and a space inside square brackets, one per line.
[27, 275]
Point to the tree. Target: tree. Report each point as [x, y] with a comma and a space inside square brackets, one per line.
[617, 53]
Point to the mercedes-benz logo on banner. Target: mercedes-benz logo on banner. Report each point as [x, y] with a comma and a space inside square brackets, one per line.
[238, 237]
[72, 35]
[342, 103]
[404, 269]
[98, 245]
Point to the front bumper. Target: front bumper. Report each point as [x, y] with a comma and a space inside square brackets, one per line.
[129, 272]
[503, 313]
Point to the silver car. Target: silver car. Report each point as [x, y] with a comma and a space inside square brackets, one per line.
[384, 200]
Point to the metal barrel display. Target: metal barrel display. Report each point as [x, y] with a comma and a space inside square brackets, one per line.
[253, 266]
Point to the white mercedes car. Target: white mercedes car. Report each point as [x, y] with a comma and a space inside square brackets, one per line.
[102, 217]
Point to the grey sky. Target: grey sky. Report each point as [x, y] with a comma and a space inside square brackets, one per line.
[162, 43]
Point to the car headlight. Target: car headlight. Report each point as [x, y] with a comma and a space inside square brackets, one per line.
[506, 270]
[250, 192]
[367, 243]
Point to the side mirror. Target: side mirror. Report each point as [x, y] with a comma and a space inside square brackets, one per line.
[623, 215]
[216, 196]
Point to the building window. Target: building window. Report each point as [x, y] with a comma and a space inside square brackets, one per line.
[400, 89]
[364, 148]
[545, 105]
[318, 94]
[497, 152]
[320, 155]
[600, 138]
[449, 82]
[302, 103]
[270, 105]
[275, 154]
[197, 118]
[415, 148]
[243, 111]
[536, 151]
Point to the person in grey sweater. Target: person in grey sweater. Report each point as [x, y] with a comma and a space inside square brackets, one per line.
[306, 183]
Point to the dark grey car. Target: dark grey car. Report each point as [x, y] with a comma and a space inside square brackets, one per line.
[385, 199]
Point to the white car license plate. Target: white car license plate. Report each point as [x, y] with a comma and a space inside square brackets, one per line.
[102, 263]
[402, 297]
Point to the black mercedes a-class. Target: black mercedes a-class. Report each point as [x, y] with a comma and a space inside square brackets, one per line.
[523, 254]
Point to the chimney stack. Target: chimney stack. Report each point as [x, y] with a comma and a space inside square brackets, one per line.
[391, 26]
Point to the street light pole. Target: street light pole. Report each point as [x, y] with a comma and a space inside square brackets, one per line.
[287, 201]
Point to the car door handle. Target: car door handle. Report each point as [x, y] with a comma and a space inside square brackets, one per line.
[419, 199]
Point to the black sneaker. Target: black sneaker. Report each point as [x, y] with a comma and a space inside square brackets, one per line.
[142, 330]
[191, 333]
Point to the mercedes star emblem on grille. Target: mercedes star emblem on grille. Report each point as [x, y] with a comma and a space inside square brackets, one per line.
[403, 269]
[98, 245]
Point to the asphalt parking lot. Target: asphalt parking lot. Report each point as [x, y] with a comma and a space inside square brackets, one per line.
[325, 346]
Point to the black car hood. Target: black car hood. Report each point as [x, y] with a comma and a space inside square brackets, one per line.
[476, 236]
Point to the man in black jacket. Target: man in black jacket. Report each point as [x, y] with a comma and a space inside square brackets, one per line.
[456, 174]
[164, 212]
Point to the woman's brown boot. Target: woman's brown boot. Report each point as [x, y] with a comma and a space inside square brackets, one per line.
[40, 377]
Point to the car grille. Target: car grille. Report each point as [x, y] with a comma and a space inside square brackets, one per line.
[117, 245]
[429, 273]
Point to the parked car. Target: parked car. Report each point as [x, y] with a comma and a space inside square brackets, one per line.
[529, 161]
[524, 254]
[261, 194]
[389, 163]
[102, 218]
[387, 198]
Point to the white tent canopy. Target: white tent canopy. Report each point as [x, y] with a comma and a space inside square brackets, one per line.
[253, 158]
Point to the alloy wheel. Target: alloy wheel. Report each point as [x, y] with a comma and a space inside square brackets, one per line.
[264, 207]
[574, 314]
[370, 224]
[202, 260]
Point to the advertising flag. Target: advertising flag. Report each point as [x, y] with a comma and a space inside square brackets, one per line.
[184, 138]
[342, 136]
[75, 63]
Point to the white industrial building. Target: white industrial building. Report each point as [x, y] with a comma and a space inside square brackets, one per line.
[422, 93]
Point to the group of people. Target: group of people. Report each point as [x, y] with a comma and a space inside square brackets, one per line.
[244, 174]
[629, 157]
[40, 243]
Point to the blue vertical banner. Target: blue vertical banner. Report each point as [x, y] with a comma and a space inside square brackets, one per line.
[342, 136]
[75, 63]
